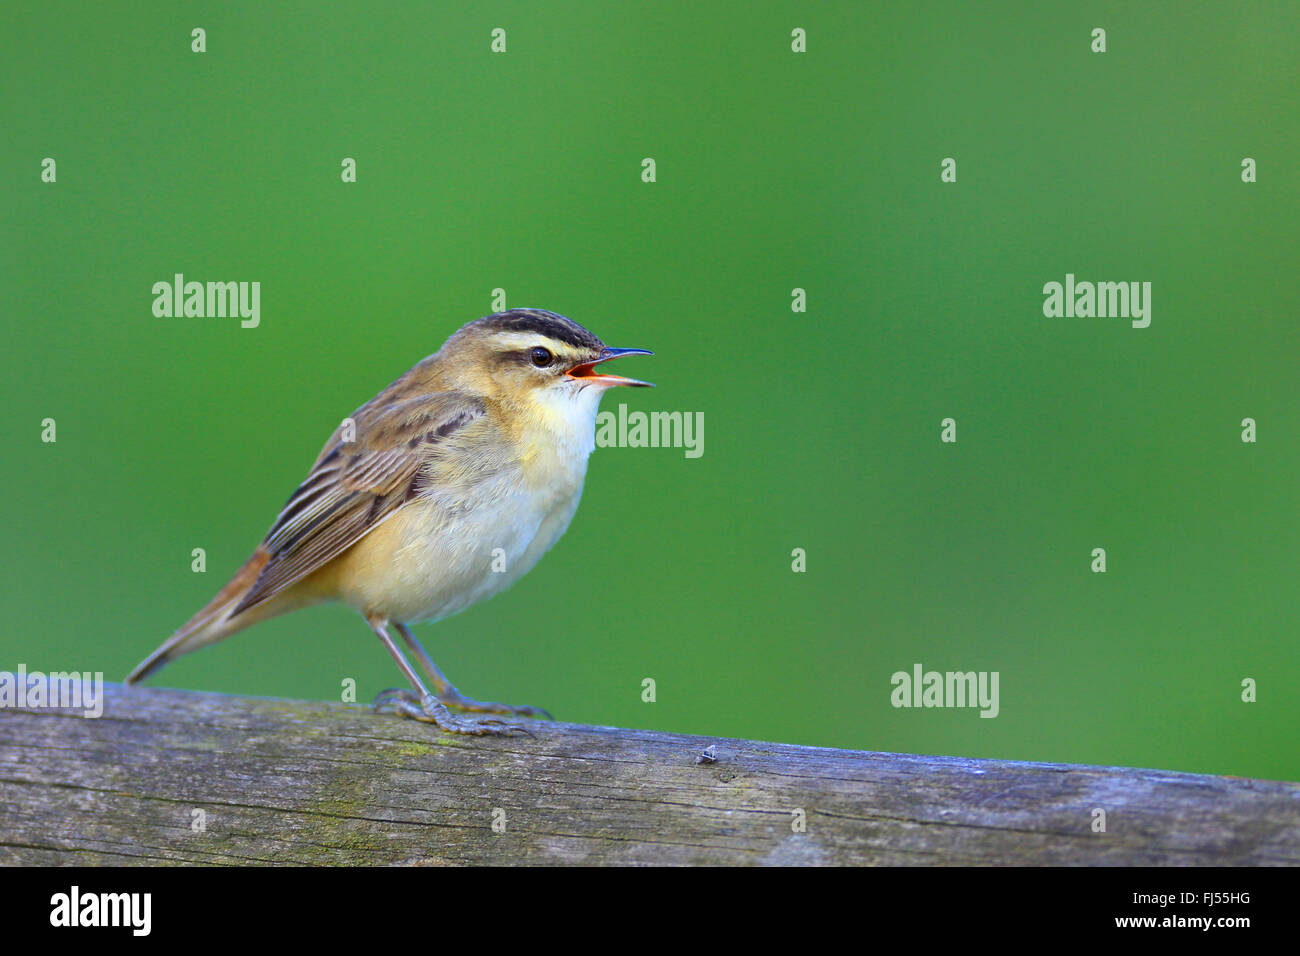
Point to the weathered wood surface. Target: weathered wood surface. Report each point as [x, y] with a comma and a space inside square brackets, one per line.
[315, 783]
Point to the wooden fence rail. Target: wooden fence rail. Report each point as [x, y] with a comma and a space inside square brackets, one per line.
[176, 777]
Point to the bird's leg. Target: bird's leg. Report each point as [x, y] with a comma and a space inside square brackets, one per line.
[424, 706]
[450, 695]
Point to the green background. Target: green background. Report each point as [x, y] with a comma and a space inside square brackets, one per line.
[775, 171]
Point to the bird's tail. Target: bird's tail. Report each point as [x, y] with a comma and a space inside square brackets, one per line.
[212, 623]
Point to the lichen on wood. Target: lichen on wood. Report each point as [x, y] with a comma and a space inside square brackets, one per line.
[173, 777]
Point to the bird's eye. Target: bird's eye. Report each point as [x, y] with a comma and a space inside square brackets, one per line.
[542, 357]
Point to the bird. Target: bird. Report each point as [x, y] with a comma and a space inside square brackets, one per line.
[438, 493]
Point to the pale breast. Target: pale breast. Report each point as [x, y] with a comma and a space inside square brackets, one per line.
[445, 551]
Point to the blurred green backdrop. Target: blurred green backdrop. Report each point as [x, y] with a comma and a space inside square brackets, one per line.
[775, 170]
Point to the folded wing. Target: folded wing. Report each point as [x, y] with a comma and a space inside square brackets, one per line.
[356, 484]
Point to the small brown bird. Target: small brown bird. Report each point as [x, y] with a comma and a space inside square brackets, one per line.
[441, 491]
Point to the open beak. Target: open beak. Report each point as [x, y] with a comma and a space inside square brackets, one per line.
[587, 374]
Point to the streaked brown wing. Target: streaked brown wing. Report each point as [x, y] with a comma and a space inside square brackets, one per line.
[355, 485]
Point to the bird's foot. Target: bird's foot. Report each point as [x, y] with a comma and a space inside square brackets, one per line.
[454, 698]
[430, 710]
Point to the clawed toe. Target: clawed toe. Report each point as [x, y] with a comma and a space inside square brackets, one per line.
[392, 697]
[430, 710]
[535, 712]
[485, 707]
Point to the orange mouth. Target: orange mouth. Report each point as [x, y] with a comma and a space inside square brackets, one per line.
[587, 374]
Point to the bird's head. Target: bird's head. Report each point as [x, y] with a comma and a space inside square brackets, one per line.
[532, 358]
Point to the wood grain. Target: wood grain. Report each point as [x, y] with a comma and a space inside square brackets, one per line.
[293, 782]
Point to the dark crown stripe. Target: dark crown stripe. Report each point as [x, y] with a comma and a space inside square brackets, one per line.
[543, 323]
